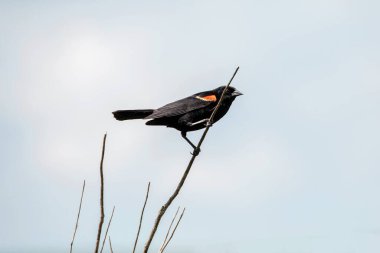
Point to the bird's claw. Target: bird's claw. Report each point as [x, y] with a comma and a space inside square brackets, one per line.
[196, 151]
[208, 123]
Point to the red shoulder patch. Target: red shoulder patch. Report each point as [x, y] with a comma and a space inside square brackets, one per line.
[210, 98]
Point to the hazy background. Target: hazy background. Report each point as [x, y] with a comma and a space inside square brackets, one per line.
[293, 167]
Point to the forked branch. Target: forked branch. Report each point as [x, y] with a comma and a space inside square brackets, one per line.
[172, 234]
[170, 227]
[108, 227]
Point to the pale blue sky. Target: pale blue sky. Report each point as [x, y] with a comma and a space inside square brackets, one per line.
[292, 168]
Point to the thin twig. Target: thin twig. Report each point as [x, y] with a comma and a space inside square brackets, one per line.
[141, 217]
[171, 236]
[182, 181]
[109, 239]
[76, 224]
[105, 236]
[101, 196]
[167, 234]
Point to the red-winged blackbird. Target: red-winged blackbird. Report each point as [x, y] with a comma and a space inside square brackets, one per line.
[187, 114]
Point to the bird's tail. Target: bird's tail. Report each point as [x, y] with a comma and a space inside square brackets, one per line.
[131, 114]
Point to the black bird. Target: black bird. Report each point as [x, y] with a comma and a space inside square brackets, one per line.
[187, 114]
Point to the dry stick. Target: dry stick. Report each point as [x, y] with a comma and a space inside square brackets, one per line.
[171, 236]
[109, 239]
[76, 224]
[141, 218]
[167, 234]
[174, 195]
[109, 223]
[101, 196]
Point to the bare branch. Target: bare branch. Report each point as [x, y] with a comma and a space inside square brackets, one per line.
[141, 218]
[109, 239]
[182, 181]
[76, 224]
[167, 234]
[109, 223]
[101, 196]
[171, 236]
[210, 120]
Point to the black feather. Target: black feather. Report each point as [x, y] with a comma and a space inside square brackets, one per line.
[179, 107]
[131, 114]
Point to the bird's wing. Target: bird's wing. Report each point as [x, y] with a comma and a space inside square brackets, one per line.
[182, 106]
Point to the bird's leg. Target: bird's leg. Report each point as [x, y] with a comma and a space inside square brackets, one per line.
[196, 150]
[209, 123]
[187, 139]
[199, 122]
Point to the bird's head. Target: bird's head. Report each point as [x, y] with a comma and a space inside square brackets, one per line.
[231, 92]
[215, 95]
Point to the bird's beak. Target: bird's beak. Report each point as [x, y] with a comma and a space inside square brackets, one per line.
[236, 93]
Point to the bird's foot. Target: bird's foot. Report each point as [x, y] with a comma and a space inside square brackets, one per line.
[196, 151]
